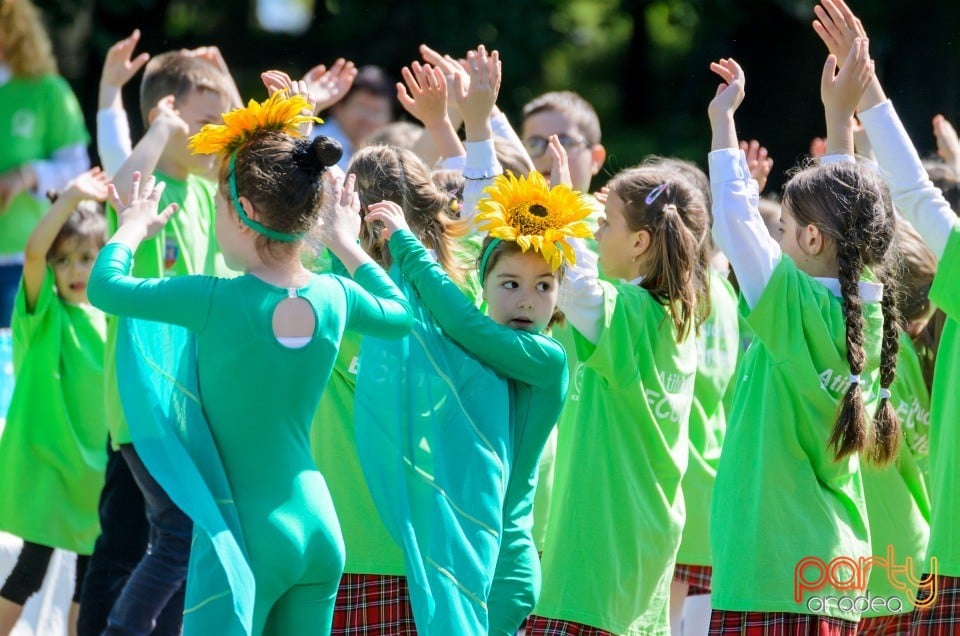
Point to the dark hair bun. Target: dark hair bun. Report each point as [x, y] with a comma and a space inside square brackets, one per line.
[326, 150]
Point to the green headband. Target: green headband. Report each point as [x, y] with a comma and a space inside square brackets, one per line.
[283, 237]
[486, 255]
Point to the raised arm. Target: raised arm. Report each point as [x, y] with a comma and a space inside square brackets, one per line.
[529, 358]
[113, 129]
[147, 152]
[913, 192]
[423, 94]
[738, 228]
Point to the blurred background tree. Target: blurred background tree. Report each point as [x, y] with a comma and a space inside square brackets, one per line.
[642, 63]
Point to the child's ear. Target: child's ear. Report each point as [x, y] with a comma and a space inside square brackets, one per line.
[598, 154]
[813, 240]
[247, 206]
[641, 244]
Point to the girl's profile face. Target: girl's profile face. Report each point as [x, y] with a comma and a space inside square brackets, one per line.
[71, 263]
[616, 242]
[521, 291]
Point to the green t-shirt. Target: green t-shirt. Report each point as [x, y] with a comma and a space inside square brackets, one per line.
[780, 497]
[944, 407]
[53, 448]
[370, 549]
[718, 347]
[622, 449]
[187, 245]
[38, 116]
[897, 501]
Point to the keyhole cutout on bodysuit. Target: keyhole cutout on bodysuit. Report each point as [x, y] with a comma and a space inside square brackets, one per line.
[294, 322]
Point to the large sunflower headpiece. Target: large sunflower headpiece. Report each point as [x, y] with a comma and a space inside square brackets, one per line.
[527, 211]
[279, 112]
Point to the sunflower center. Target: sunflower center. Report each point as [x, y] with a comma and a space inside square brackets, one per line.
[531, 218]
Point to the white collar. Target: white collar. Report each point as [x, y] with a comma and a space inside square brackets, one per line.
[869, 292]
[635, 281]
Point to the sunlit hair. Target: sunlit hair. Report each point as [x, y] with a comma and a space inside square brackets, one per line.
[282, 177]
[573, 106]
[388, 173]
[851, 206]
[675, 265]
[25, 41]
[173, 73]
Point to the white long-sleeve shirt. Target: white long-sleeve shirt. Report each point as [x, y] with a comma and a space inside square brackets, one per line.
[113, 139]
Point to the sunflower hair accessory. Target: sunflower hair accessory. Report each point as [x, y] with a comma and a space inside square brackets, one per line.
[279, 112]
[527, 211]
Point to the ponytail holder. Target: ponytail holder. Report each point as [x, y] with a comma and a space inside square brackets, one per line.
[884, 394]
[656, 192]
[854, 378]
[260, 228]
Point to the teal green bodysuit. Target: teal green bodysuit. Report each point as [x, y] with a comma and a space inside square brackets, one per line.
[535, 367]
[258, 398]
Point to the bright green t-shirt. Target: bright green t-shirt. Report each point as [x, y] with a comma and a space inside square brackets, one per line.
[897, 501]
[186, 245]
[53, 448]
[780, 497]
[370, 549]
[944, 408]
[718, 346]
[622, 449]
[38, 116]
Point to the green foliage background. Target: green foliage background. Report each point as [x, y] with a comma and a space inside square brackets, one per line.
[642, 63]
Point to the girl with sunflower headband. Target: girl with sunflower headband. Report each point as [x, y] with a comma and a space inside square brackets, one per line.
[622, 448]
[267, 552]
[522, 260]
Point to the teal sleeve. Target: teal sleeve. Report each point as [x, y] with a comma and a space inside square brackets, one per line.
[182, 300]
[526, 357]
[375, 306]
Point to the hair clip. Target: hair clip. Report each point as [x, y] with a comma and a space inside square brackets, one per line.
[884, 394]
[656, 192]
[854, 378]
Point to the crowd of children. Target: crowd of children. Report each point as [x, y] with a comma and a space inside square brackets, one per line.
[359, 378]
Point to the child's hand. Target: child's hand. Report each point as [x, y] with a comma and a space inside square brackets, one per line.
[758, 161]
[478, 101]
[841, 92]
[559, 165]
[452, 69]
[425, 94]
[730, 92]
[330, 86]
[601, 195]
[279, 81]
[818, 146]
[90, 185]
[838, 27]
[390, 215]
[948, 145]
[340, 212]
[141, 213]
[118, 68]
[209, 54]
[169, 117]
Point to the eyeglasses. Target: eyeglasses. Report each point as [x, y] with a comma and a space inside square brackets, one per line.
[536, 146]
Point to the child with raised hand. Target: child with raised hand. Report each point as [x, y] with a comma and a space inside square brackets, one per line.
[113, 128]
[129, 587]
[424, 95]
[926, 209]
[52, 449]
[519, 269]
[290, 323]
[373, 594]
[622, 444]
[826, 338]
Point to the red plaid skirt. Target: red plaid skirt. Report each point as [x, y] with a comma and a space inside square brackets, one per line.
[778, 624]
[896, 625]
[540, 626]
[943, 617]
[696, 576]
[373, 605]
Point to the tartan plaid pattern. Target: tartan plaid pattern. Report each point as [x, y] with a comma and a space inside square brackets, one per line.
[778, 624]
[696, 576]
[943, 618]
[895, 625]
[373, 605]
[541, 626]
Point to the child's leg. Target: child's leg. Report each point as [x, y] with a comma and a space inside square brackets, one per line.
[303, 609]
[24, 581]
[696, 615]
[678, 596]
[120, 546]
[160, 574]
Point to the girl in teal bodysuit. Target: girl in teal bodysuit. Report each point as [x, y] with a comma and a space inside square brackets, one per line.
[265, 346]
